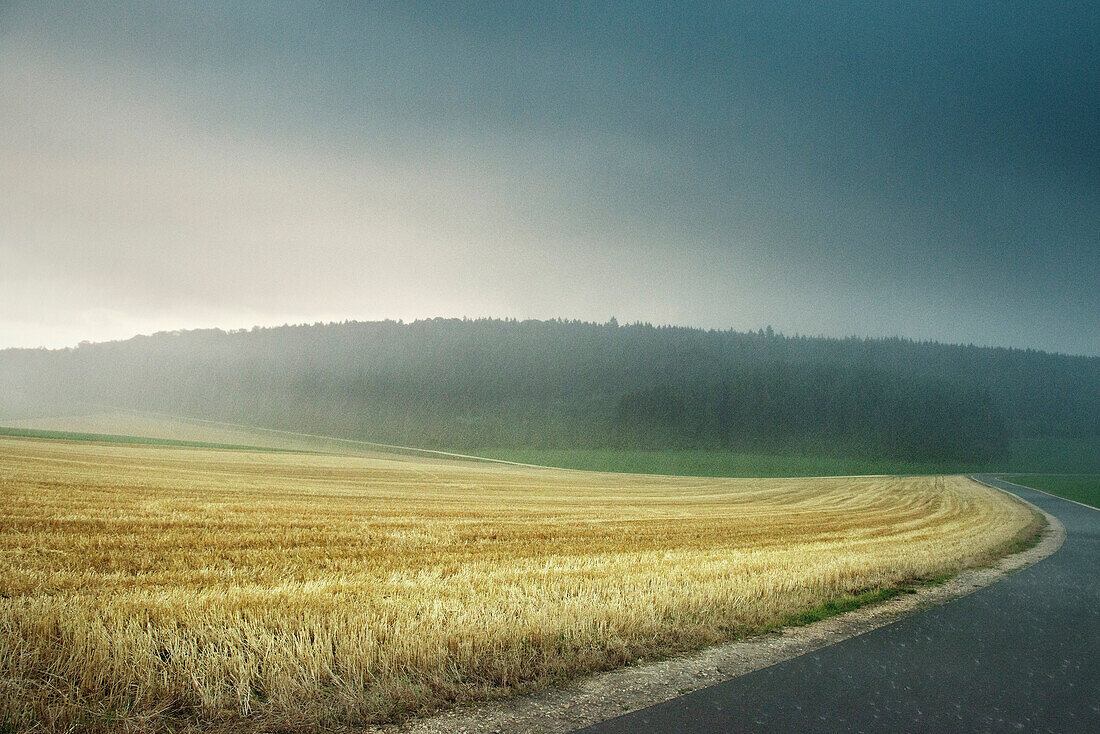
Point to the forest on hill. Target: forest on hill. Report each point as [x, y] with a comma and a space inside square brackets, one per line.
[469, 384]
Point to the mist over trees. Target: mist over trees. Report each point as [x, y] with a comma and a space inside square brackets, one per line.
[468, 384]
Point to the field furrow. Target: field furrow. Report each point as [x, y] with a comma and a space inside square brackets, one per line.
[154, 586]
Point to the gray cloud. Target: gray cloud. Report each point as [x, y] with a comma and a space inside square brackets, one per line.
[927, 171]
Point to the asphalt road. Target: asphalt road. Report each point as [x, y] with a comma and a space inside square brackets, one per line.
[1020, 655]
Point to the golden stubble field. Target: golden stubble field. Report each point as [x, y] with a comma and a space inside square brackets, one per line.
[152, 587]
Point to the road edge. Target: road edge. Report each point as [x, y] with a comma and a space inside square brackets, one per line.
[1001, 478]
[603, 696]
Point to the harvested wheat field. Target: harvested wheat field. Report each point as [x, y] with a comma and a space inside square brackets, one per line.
[151, 587]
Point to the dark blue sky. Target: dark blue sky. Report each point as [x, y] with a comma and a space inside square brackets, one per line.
[929, 170]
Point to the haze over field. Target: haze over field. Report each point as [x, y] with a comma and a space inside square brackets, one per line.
[926, 170]
[485, 386]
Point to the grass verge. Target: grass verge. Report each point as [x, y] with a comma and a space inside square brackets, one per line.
[706, 463]
[1048, 455]
[114, 438]
[1079, 488]
[1025, 540]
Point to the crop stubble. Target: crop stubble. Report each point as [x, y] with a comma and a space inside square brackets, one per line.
[148, 586]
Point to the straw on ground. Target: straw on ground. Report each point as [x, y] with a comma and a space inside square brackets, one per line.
[149, 587]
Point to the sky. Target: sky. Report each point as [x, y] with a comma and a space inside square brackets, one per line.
[928, 170]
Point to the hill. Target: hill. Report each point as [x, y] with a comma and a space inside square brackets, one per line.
[474, 384]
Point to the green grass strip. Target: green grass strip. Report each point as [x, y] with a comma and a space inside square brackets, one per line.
[1079, 488]
[143, 440]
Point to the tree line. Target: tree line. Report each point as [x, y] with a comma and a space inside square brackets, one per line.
[469, 384]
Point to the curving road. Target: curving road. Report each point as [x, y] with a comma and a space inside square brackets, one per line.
[1020, 655]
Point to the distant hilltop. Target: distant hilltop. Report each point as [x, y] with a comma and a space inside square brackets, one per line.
[469, 384]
